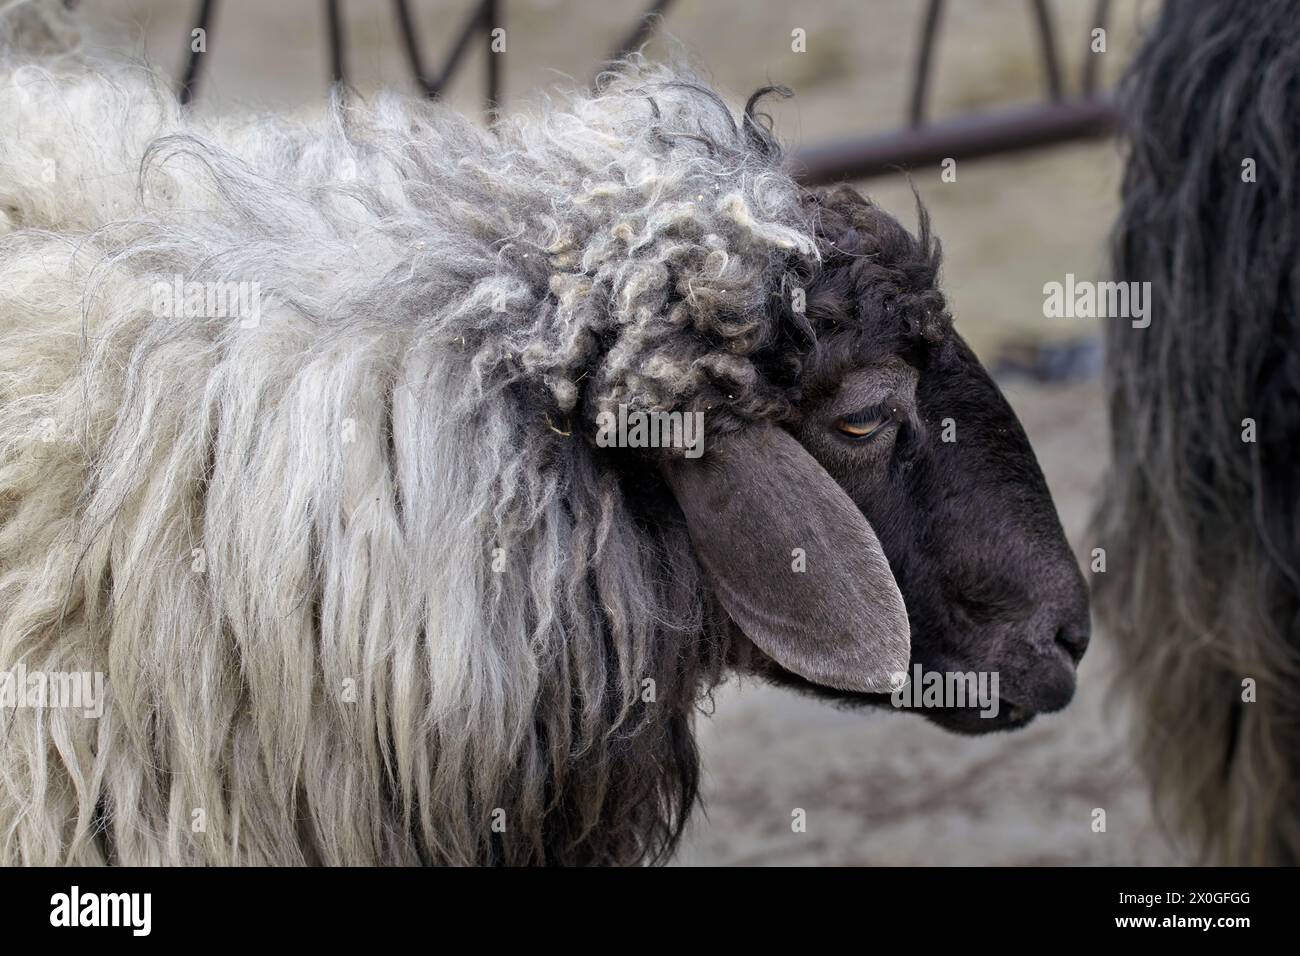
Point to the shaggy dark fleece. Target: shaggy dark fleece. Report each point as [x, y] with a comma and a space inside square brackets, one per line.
[1200, 517]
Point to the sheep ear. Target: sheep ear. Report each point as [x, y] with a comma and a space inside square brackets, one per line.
[835, 617]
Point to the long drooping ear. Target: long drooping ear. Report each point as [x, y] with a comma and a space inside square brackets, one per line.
[750, 501]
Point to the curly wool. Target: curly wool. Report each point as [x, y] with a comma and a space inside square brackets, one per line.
[362, 592]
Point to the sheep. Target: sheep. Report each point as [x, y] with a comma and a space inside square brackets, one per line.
[1199, 513]
[364, 586]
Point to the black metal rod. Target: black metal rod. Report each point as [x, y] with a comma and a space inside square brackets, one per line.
[472, 26]
[1092, 61]
[924, 57]
[406, 26]
[338, 66]
[1047, 40]
[1044, 124]
[492, 18]
[645, 27]
[194, 66]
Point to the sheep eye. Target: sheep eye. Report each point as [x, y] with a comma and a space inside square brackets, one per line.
[865, 424]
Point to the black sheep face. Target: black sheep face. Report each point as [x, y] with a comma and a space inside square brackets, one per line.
[905, 484]
[940, 467]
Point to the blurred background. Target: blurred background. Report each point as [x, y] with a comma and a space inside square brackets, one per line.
[877, 788]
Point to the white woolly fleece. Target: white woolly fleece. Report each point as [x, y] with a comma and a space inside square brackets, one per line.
[359, 587]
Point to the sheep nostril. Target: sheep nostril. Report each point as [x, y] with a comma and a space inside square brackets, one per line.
[1074, 639]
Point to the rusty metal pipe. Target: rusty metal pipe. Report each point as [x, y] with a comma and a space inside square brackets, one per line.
[969, 137]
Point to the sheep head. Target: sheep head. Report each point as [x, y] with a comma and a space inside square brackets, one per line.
[864, 500]
[893, 511]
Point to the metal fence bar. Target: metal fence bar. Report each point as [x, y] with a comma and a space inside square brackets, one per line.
[493, 13]
[1047, 124]
[857, 157]
[1091, 62]
[472, 26]
[333, 18]
[414, 59]
[1047, 40]
[194, 65]
[924, 57]
[645, 26]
